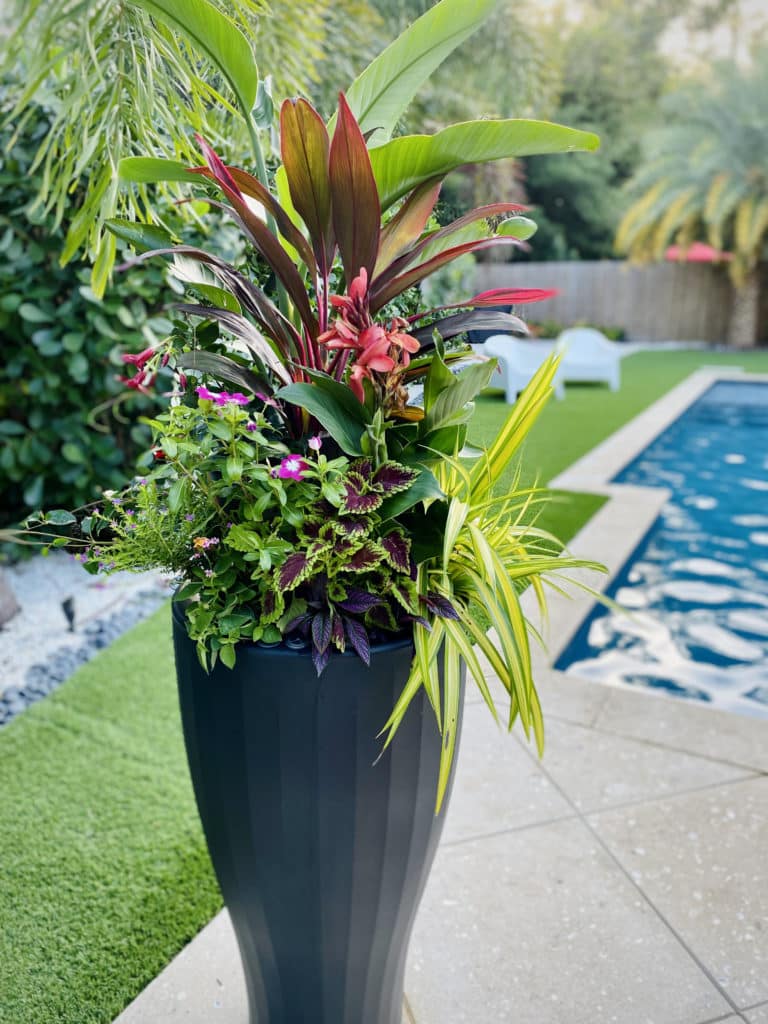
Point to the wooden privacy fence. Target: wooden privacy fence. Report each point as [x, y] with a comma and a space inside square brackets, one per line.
[658, 302]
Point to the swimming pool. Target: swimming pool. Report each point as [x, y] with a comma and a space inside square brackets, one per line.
[696, 585]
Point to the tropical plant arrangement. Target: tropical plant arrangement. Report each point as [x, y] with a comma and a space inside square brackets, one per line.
[326, 497]
[343, 552]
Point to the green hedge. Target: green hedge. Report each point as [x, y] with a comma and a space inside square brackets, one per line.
[62, 438]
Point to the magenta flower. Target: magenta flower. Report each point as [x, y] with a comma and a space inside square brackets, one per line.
[202, 392]
[251, 427]
[315, 443]
[292, 468]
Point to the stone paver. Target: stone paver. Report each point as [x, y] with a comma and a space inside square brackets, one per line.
[576, 758]
[758, 1016]
[701, 859]
[497, 785]
[686, 726]
[542, 927]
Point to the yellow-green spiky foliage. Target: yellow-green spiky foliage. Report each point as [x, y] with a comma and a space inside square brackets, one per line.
[492, 551]
[706, 175]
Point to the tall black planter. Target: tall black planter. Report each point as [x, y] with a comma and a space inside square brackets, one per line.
[321, 855]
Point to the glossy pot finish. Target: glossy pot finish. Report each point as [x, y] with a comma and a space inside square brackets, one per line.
[321, 850]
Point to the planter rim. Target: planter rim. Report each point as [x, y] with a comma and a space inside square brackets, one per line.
[399, 641]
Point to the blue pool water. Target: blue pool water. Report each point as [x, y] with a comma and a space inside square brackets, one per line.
[697, 584]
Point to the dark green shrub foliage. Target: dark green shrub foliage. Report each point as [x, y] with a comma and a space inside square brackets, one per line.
[62, 437]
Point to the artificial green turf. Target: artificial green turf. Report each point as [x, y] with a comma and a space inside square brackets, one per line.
[104, 874]
[103, 869]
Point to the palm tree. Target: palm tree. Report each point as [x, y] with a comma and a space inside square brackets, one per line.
[707, 175]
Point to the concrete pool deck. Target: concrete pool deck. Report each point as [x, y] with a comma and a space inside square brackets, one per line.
[621, 880]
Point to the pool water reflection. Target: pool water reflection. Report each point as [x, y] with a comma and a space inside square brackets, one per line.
[697, 584]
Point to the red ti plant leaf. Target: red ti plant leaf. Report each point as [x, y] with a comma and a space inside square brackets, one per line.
[398, 549]
[479, 213]
[408, 224]
[253, 188]
[382, 294]
[509, 297]
[293, 570]
[391, 477]
[354, 196]
[366, 557]
[265, 241]
[305, 149]
[358, 637]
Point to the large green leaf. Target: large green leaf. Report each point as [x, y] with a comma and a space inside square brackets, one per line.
[344, 428]
[424, 488]
[215, 35]
[380, 94]
[451, 402]
[406, 162]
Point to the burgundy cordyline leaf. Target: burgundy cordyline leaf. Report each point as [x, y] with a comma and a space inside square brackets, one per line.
[337, 632]
[292, 570]
[408, 224]
[359, 601]
[365, 558]
[354, 196]
[321, 631]
[391, 477]
[509, 297]
[398, 550]
[479, 213]
[358, 637]
[440, 606]
[354, 501]
[253, 188]
[305, 149]
[380, 296]
[267, 244]
[320, 659]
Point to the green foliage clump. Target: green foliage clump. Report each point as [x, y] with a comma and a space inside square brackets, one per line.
[61, 436]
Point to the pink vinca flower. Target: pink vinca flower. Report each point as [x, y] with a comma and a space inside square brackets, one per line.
[292, 468]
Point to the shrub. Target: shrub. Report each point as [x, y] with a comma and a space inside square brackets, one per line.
[67, 426]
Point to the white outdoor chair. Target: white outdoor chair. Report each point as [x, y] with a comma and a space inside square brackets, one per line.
[589, 356]
[518, 361]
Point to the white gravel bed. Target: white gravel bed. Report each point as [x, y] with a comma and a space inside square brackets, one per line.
[40, 629]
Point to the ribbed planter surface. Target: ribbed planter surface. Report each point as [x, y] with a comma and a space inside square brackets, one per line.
[321, 855]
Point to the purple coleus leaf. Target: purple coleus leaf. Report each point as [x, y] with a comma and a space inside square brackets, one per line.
[391, 477]
[366, 557]
[355, 500]
[321, 631]
[358, 638]
[359, 601]
[398, 549]
[440, 606]
[348, 526]
[320, 659]
[300, 624]
[420, 620]
[293, 570]
[363, 469]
